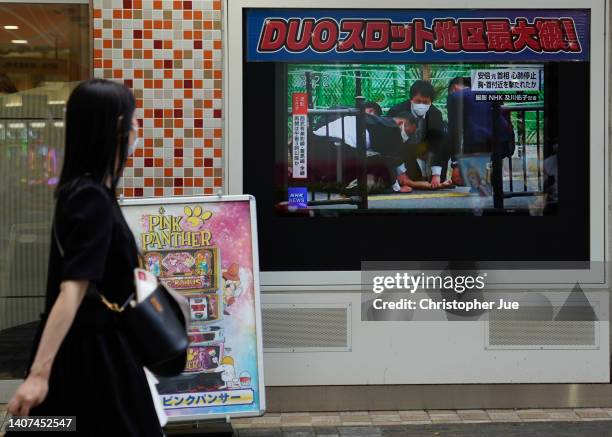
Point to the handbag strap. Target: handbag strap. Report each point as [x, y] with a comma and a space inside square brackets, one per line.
[112, 306]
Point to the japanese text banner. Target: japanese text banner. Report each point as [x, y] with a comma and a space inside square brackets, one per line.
[376, 35]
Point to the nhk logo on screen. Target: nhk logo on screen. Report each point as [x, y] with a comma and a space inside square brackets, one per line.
[298, 197]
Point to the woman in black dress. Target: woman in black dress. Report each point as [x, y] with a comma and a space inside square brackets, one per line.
[82, 364]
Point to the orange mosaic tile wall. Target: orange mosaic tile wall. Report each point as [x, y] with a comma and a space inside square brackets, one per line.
[169, 52]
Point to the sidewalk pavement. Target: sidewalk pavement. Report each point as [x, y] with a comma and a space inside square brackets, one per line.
[595, 422]
[422, 417]
[498, 429]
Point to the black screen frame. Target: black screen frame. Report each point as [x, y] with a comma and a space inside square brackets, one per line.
[341, 242]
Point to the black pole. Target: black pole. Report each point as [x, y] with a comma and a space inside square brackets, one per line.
[510, 158]
[339, 163]
[510, 173]
[309, 123]
[538, 150]
[308, 76]
[357, 83]
[496, 158]
[524, 141]
[326, 118]
[361, 152]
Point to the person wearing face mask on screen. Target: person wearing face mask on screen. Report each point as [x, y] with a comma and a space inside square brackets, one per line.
[430, 139]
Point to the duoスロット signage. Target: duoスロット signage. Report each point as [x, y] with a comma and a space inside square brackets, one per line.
[431, 93]
[373, 35]
[207, 249]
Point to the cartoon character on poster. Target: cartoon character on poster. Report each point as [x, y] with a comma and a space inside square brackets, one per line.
[212, 307]
[210, 359]
[201, 358]
[202, 261]
[228, 373]
[154, 263]
[235, 280]
[178, 263]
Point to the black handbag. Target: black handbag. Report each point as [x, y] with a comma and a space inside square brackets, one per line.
[156, 328]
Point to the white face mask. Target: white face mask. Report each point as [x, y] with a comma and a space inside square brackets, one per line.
[403, 133]
[132, 147]
[419, 109]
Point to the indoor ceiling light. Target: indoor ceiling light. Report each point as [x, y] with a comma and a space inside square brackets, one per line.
[11, 27]
[19, 41]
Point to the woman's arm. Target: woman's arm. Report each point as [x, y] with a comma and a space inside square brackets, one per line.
[34, 389]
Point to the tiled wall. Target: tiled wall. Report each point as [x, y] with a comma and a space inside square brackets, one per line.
[170, 53]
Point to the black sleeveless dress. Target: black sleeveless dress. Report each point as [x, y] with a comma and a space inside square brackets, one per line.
[96, 376]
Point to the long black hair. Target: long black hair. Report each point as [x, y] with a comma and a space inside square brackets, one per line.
[98, 121]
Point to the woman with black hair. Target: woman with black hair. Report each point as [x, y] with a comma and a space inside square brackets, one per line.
[82, 364]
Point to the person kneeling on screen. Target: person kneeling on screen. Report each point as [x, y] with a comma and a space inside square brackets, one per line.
[410, 173]
[430, 139]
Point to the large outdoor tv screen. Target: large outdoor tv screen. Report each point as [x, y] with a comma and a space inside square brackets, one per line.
[456, 137]
[381, 134]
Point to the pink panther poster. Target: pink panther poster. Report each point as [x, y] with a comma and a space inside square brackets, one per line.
[206, 248]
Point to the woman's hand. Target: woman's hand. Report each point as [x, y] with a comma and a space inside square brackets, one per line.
[34, 389]
[29, 394]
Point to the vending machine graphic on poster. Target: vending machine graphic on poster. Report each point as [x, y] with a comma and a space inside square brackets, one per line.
[207, 249]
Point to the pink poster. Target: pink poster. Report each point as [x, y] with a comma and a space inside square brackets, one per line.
[207, 249]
